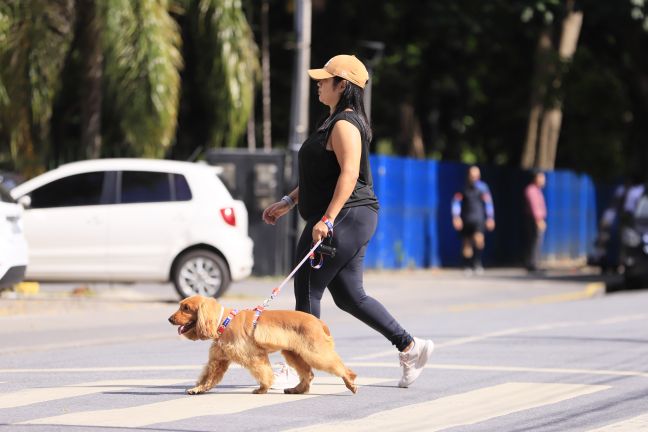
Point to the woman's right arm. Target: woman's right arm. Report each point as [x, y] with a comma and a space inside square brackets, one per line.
[280, 208]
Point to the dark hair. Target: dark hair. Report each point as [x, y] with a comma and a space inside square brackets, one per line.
[352, 97]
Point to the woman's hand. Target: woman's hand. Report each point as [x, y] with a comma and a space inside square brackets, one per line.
[275, 211]
[320, 231]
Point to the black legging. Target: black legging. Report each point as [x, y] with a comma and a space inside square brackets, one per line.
[342, 274]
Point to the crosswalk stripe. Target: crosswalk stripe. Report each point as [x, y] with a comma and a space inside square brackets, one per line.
[607, 372]
[516, 330]
[107, 369]
[217, 402]
[358, 364]
[38, 395]
[462, 409]
[634, 424]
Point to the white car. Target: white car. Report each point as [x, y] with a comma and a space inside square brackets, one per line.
[13, 246]
[129, 220]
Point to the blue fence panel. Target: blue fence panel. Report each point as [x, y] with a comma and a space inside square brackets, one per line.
[432, 252]
[551, 193]
[452, 177]
[415, 224]
[414, 217]
[589, 215]
[389, 179]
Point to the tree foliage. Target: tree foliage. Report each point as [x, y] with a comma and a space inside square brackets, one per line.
[142, 63]
[34, 39]
[42, 64]
[466, 69]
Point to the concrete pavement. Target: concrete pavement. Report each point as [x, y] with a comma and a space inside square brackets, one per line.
[451, 289]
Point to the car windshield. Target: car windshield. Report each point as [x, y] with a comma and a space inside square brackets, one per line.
[5, 197]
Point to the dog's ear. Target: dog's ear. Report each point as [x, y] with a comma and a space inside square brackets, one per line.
[207, 315]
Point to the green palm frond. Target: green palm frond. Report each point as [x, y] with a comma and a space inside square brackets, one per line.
[35, 37]
[231, 66]
[142, 63]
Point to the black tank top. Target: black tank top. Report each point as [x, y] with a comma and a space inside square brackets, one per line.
[319, 171]
[472, 207]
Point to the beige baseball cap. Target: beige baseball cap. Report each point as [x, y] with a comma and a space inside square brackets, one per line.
[343, 66]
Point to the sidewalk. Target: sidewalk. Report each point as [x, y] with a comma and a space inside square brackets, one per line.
[451, 289]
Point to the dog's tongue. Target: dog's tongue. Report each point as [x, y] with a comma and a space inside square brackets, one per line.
[180, 329]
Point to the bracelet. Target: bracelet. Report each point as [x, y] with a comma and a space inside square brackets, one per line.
[288, 200]
[328, 223]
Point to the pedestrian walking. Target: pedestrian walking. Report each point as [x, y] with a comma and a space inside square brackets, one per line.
[472, 214]
[535, 220]
[335, 197]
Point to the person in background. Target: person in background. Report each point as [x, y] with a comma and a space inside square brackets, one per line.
[472, 213]
[605, 253]
[536, 220]
[335, 197]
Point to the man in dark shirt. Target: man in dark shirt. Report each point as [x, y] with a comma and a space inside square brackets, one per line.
[472, 213]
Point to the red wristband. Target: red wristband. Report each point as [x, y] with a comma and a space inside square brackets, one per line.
[328, 223]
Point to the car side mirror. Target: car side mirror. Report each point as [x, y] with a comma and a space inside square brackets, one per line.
[25, 201]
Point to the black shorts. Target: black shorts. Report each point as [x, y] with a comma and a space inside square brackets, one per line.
[470, 228]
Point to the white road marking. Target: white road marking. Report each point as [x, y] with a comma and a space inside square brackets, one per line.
[217, 402]
[634, 424]
[516, 330]
[45, 394]
[394, 364]
[107, 369]
[462, 409]
[80, 343]
[606, 372]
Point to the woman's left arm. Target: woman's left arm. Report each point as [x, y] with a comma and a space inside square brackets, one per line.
[346, 142]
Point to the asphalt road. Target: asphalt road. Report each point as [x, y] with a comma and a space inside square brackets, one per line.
[512, 354]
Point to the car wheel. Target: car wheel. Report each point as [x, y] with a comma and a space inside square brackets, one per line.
[201, 272]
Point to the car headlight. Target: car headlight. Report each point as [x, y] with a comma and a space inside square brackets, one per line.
[630, 237]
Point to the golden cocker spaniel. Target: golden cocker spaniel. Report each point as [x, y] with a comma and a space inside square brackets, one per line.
[304, 340]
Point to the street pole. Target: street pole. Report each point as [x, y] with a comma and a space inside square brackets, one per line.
[300, 85]
[299, 108]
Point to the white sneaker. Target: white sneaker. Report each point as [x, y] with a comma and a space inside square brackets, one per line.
[414, 360]
[284, 377]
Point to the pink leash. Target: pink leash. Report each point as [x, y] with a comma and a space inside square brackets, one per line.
[276, 291]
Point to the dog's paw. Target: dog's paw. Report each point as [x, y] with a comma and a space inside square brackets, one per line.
[260, 390]
[195, 391]
[296, 390]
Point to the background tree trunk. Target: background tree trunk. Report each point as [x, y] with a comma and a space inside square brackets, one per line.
[538, 96]
[411, 139]
[92, 56]
[552, 118]
[545, 118]
[265, 75]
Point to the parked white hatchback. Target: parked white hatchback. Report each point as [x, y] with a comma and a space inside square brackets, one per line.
[13, 246]
[130, 220]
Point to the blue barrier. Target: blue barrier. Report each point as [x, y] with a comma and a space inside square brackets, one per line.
[415, 225]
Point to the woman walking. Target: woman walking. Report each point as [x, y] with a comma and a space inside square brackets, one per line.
[335, 197]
